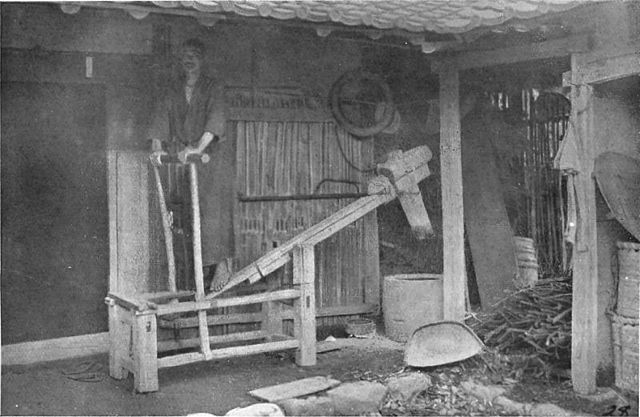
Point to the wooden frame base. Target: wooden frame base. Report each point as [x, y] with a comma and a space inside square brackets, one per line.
[133, 331]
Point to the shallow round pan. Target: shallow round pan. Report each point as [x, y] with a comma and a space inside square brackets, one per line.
[441, 343]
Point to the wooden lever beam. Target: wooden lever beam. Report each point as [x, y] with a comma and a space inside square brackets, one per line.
[400, 175]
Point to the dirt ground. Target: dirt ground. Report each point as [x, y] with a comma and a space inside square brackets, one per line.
[216, 387]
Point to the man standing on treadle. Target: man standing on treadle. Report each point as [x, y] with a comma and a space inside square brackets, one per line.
[191, 116]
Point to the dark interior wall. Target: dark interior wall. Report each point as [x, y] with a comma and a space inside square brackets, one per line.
[44, 69]
[54, 223]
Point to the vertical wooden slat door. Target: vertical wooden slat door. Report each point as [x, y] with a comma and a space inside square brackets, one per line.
[276, 158]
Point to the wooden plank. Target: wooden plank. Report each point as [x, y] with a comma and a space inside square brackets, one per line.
[131, 303]
[295, 389]
[370, 263]
[287, 314]
[272, 313]
[119, 335]
[227, 302]
[212, 320]
[485, 214]
[164, 296]
[203, 329]
[304, 275]
[131, 249]
[608, 69]
[182, 359]
[254, 349]
[145, 353]
[584, 331]
[166, 345]
[112, 187]
[166, 227]
[521, 53]
[453, 263]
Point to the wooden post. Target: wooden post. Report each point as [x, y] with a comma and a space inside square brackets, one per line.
[272, 313]
[168, 233]
[145, 352]
[453, 264]
[203, 328]
[304, 272]
[118, 341]
[584, 321]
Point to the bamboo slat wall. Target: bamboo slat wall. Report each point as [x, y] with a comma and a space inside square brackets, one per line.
[541, 197]
[290, 158]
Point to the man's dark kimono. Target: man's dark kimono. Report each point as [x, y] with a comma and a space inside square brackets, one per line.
[179, 124]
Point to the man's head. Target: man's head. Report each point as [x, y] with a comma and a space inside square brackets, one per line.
[192, 55]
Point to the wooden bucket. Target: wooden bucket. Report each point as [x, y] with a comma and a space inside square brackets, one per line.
[625, 351]
[527, 262]
[410, 301]
[628, 279]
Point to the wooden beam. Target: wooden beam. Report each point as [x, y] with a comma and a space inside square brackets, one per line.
[279, 256]
[304, 276]
[227, 302]
[454, 274]
[203, 329]
[166, 345]
[381, 190]
[515, 54]
[608, 69]
[584, 323]
[145, 353]
[230, 352]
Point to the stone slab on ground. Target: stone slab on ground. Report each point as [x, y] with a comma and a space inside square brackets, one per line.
[312, 406]
[406, 386]
[357, 398]
[298, 388]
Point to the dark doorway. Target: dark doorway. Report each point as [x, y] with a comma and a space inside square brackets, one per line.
[55, 253]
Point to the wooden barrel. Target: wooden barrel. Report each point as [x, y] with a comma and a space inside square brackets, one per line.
[628, 279]
[410, 301]
[527, 262]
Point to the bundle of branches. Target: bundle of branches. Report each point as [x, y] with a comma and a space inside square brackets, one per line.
[532, 326]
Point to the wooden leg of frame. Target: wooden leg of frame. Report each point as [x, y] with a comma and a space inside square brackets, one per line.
[272, 313]
[305, 306]
[119, 336]
[145, 353]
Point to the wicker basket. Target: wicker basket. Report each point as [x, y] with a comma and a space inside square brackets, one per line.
[625, 351]
[361, 328]
[628, 279]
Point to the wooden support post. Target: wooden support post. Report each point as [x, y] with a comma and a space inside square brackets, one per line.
[203, 328]
[168, 233]
[304, 271]
[119, 337]
[584, 321]
[454, 273]
[272, 313]
[145, 353]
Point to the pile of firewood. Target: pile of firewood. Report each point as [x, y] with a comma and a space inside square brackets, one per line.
[533, 325]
